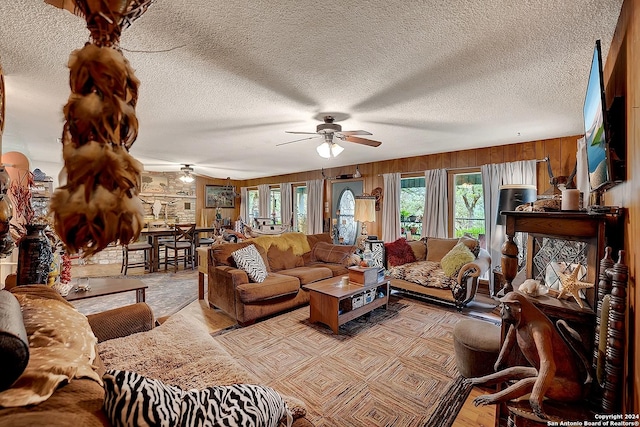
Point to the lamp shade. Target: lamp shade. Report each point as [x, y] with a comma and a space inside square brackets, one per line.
[186, 178]
[329, 149]
[365, 209]
[512, 196]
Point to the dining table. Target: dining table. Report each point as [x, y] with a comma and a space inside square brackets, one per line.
[153, 235]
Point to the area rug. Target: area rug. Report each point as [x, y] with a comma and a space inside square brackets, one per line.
[395, 367]
[167, 293]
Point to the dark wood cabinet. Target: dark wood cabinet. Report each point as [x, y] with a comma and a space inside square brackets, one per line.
[594, 232]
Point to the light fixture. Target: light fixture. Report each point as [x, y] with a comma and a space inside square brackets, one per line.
[365, 210]
[186, 177]
[328, 148]
[357, 173]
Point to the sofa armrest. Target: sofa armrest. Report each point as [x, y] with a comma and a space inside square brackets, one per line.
[223, 281]
[467, 283]
[475, 268]
[122, 321]
[231, 275]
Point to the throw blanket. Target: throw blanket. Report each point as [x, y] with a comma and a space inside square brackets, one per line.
[425, 273]
[61, 346]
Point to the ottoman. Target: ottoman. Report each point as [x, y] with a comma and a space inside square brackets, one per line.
[476, 344]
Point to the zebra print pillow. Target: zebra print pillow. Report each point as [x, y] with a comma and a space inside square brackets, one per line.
[250, 260]
[133, 400]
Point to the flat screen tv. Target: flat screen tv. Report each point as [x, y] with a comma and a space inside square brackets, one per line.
[605, 167]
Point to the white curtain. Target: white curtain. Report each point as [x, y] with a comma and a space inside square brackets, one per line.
[391, 207]
[435, 222]
[493, 176]
[264, 197]
[315, 189]
[582, 173]
[286, 203]
[244, 205]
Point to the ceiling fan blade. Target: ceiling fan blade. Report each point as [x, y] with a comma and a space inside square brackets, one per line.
[301, 133]
[364, 141]
[298, 140]
[354, 132]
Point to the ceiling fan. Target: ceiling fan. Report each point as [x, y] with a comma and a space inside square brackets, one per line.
[328, 130]
[186, 170]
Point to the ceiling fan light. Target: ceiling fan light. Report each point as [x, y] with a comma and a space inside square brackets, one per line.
[336, 149]
[186, 178]
[324, 150]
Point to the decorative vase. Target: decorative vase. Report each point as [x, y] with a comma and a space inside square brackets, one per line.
[34, 256]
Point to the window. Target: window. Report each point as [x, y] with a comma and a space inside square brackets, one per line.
[275, 204]
[346, 224]
[300, 208]
[412, 195]
[253, 206]
[467, 204]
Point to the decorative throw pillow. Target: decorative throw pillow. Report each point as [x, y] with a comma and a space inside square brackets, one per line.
[132, 399]
[453, 261]
[399, 252]
[14, 345]
[438, 247]
[250, 260]
[335, 254]
[283, 259]
[419, 248]
[222, 254]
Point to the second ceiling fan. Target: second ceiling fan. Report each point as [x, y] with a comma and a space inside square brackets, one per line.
[328, 130]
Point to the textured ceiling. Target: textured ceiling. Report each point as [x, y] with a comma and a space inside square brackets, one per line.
[223, 80]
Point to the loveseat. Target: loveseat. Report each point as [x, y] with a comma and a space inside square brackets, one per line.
[68, 354]
[445, 271]
[292, 260]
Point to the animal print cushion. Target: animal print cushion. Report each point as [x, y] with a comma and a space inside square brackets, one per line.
[250, 260]
[425, 273]
[133, 400]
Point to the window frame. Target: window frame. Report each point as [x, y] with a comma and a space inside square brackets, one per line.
[451, 173]
[412, 176]
[296, 207]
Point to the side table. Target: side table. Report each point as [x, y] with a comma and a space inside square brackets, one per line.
[377, 249]
[203, 268]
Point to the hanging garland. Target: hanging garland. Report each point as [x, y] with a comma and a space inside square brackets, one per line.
[99, 204]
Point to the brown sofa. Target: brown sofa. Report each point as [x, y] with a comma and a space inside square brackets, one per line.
[425, 278]
[292, 260]
[79, 401]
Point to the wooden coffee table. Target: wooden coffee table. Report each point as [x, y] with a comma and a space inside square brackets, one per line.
[332, 304]
[109, 286]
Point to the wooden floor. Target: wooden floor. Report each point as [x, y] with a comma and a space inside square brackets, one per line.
[215, 320]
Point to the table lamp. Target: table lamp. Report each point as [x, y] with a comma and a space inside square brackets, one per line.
[365, 211]
[514, 195]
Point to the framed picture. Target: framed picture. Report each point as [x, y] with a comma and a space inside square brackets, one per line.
[152, 183]
[219, 196]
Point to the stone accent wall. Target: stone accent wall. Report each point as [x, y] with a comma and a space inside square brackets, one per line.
[178, 206]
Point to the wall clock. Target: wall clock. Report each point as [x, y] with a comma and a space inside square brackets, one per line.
[1, 100]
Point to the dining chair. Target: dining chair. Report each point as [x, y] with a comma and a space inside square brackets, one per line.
[182, 247]
[147, 257]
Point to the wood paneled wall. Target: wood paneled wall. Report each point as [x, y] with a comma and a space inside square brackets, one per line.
[561, 151]
[205, 216]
